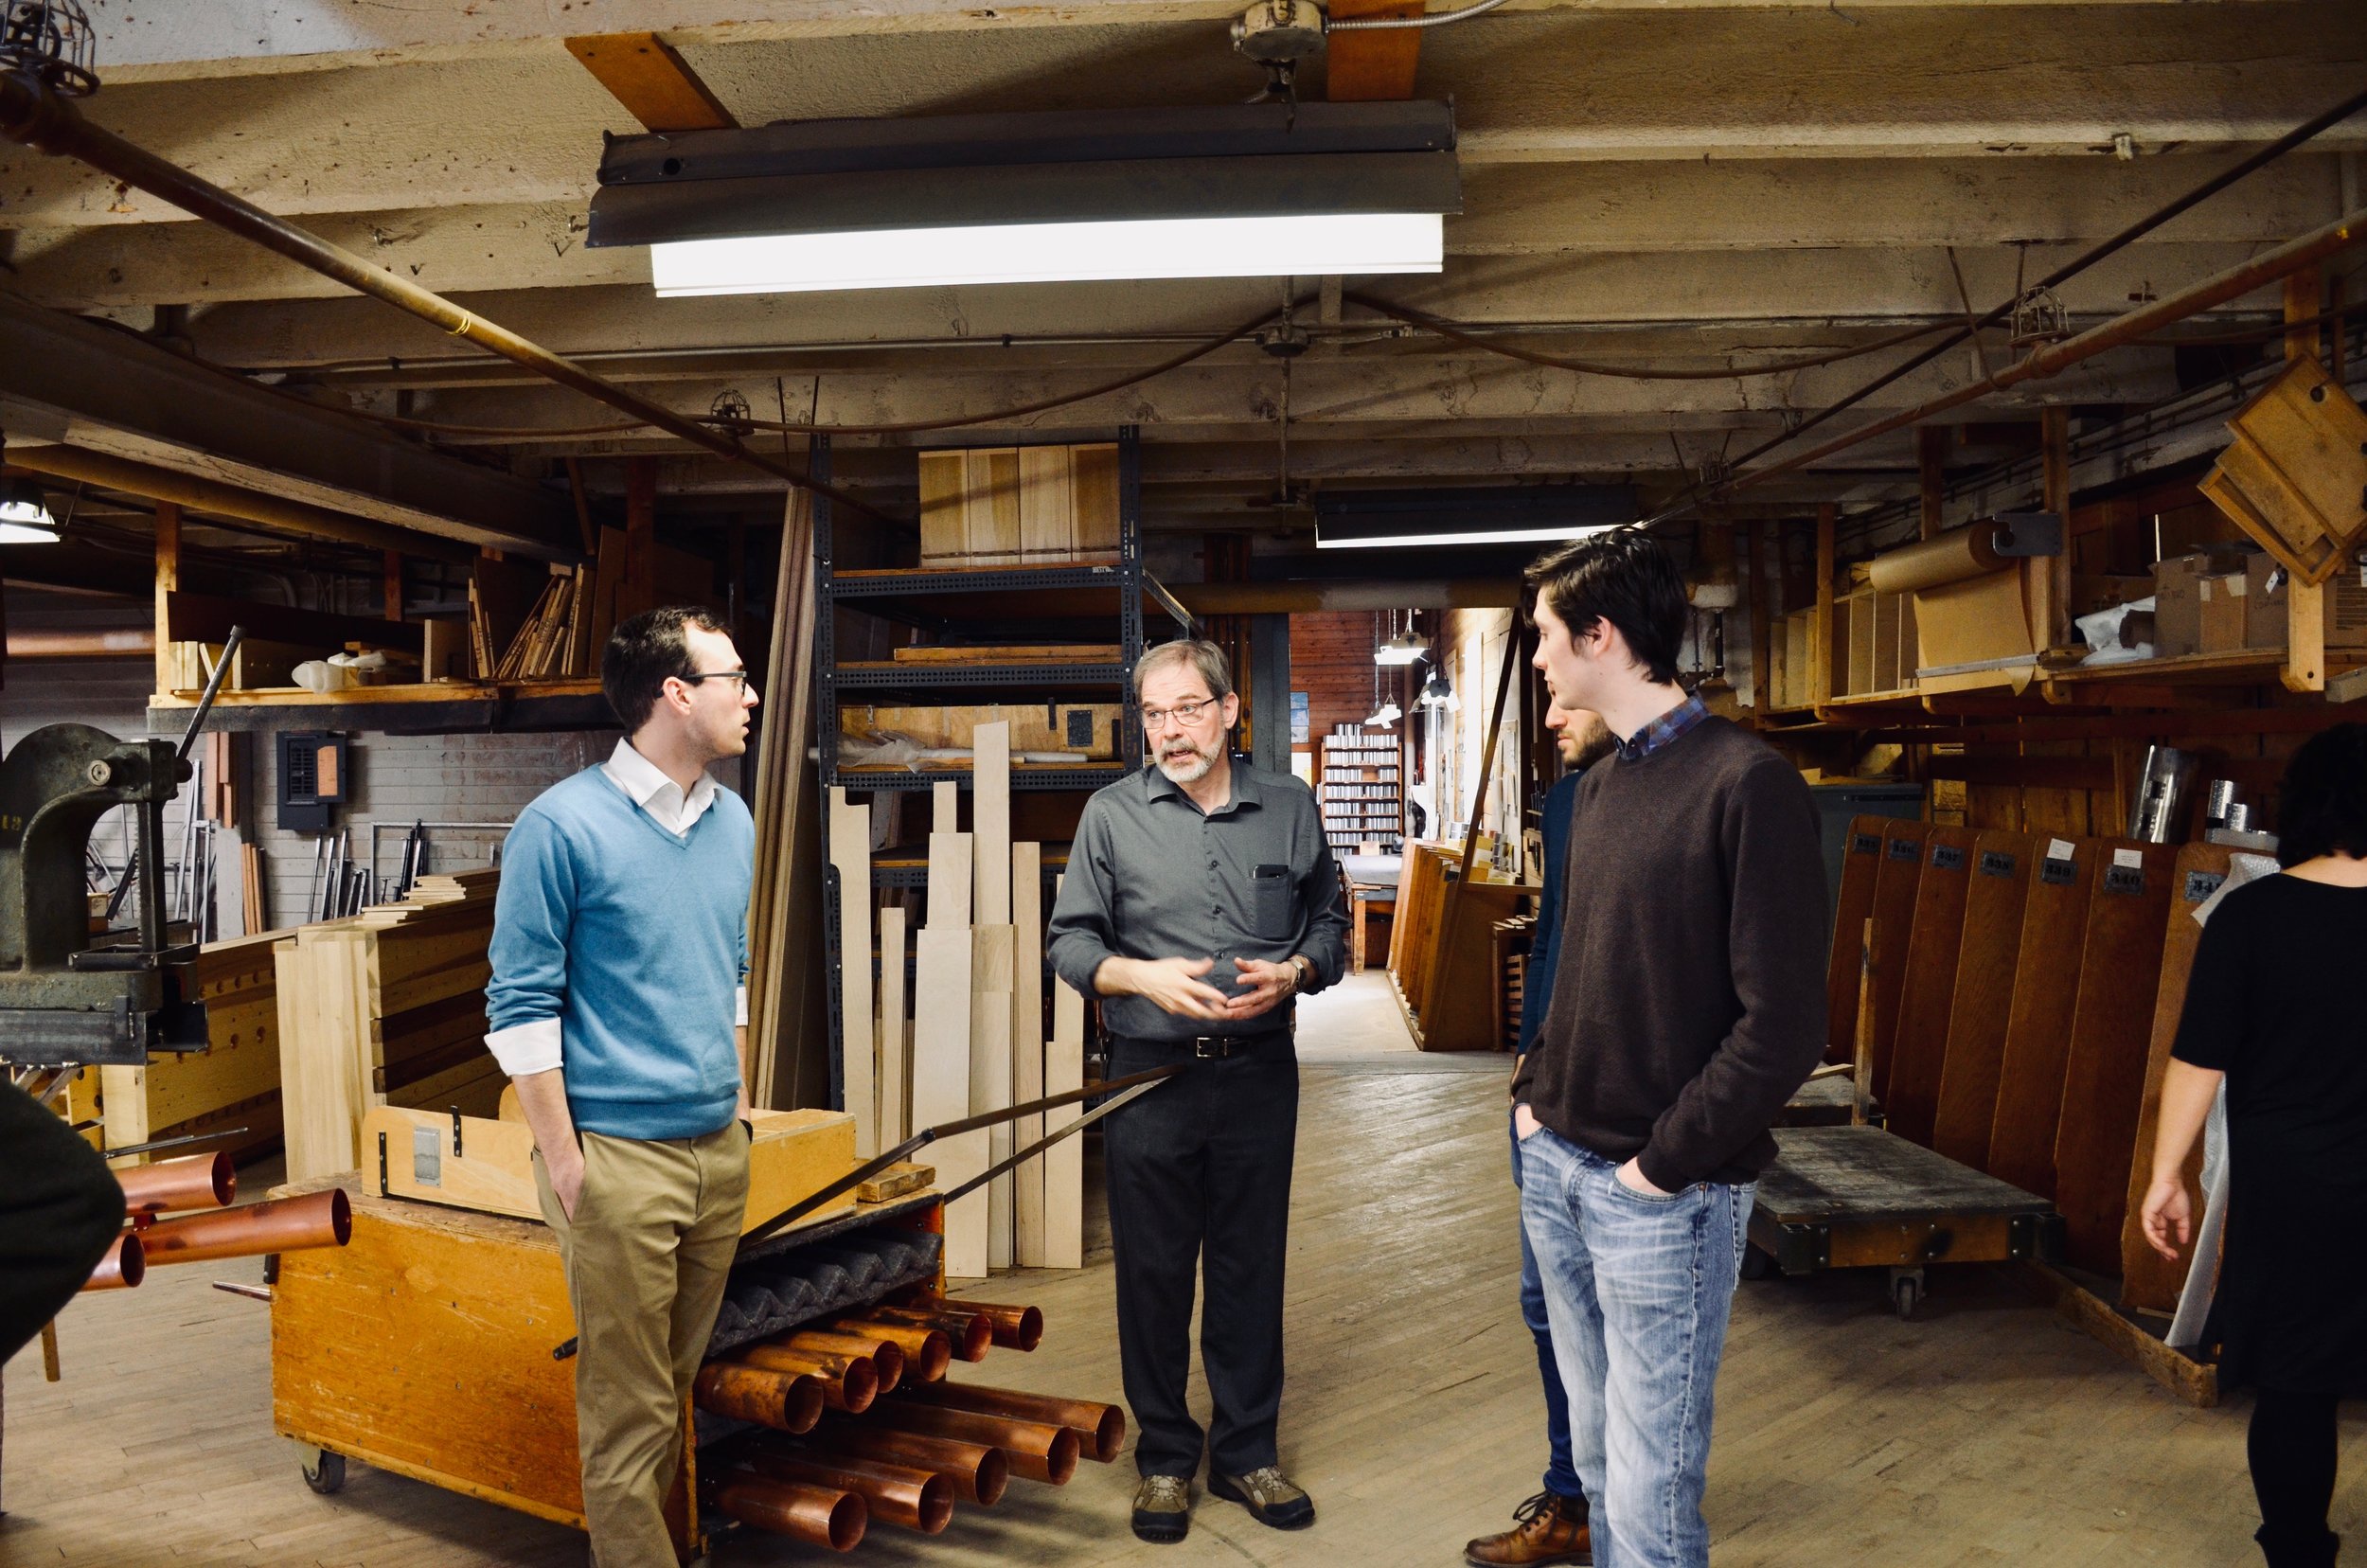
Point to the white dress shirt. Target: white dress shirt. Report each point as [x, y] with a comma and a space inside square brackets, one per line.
[535, 1047]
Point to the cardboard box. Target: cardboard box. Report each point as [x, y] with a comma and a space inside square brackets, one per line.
[2264, 602]
[2346, 609]
[2219, 612]
[2178, 599]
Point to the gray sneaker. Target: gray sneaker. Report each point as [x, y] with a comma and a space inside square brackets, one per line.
[1269, 1497]
[1162, 1508]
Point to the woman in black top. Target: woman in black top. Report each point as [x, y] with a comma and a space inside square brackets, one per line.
[2274, 1007]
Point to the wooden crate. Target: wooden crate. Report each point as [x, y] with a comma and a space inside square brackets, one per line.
[1035, 505]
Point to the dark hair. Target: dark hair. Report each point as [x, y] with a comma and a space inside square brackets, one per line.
[643, 653]
[2321, 806]
[1625, 576]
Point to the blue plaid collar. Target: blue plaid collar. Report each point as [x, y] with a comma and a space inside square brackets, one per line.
[1662, 730]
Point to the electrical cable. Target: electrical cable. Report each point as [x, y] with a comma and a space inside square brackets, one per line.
[1389, 24]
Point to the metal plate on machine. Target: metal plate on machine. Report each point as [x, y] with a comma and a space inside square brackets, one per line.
[1996, 863]
[1905, 848]
[1947, 857]
[57, 1037]
[427, 1156]
[2124, 879]
[1866, 844]
[2057, 873]
[2201, 884]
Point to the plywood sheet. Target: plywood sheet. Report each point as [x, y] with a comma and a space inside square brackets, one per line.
[2103, 1077]
[941, 1086]
[1027, 1049]
[949, 881]
[990, 824]
[1910, 1095]
[1046, 517]
[1982, 999]
[1861, 859]
[1894, 914]
[2149, 1281]
[942, 507]
[2037, 1028]
[1093, 487]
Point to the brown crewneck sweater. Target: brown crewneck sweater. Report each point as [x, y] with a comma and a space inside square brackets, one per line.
[1688, 1000]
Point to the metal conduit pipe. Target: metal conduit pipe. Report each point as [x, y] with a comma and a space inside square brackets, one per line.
[34, 114]
[2267, 268]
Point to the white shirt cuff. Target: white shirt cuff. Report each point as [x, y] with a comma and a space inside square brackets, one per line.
[525, 1048]
[739, 1009]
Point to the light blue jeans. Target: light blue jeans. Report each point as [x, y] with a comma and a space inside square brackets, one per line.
[1637, 1292]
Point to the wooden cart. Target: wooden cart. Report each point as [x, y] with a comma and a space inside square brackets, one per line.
[1859, 1198]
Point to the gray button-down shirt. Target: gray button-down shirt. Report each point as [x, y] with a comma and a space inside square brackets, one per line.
[1151, 877]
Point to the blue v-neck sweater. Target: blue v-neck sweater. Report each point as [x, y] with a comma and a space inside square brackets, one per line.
[636, 941]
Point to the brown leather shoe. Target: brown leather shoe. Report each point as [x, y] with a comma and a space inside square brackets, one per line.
[1547, 1528]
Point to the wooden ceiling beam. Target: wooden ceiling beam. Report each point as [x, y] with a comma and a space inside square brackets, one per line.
[642, 71]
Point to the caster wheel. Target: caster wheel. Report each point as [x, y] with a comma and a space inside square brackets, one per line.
[1758, 1263]
[1906, 1295]
[327, 1473]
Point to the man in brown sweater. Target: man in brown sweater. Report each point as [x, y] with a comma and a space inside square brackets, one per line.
[1687, 1005]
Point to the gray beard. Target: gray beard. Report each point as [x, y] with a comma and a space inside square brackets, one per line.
[1190, 770]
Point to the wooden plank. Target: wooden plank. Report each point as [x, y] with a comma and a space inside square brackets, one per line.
[2103, 1080]
[2037, 1028]
[941, 514]
[1361, 67]
[2196, 1382]
[850, 853]
[990, 534]
[1008, 653]
[941, 1086]
[990, 979]
[1861, 858]
[2149, 1281]
[492, 1172]
[653, 82]
[1894, 913]
[1094, 496]
[1910, 1095]
[895, 1059]
[1064, 1161]
[949, 881]
[1045, 509]
[944, 806]
[1982, 998]
[990, 824]
[1027, 1049]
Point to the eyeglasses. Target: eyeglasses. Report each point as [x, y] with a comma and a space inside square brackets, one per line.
[738, 677]
[1185, 713]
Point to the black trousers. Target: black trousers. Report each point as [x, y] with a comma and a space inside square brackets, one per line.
[2292, 1448]
[1199, 1174]
[60, 1209]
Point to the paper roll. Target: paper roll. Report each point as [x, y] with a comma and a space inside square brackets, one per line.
[1952, 557]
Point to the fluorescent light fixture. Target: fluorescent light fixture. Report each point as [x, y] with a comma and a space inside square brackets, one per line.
[1523, 514]
[25, 516]
[1053, 253]
[1404, 649]
[1239, 190]
[1385, 715]
[1437, 693]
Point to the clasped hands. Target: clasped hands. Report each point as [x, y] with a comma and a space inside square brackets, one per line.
[1174, 985]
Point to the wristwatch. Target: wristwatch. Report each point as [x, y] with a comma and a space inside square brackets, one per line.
[1302, 971]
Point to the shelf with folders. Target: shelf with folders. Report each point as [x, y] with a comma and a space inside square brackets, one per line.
[1361, 787]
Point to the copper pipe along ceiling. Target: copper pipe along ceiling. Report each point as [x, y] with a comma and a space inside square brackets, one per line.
[970, 1333]
[819, 1516]
[1037, 1449]
[125, 1265]
[283, 1224]
[927, 1351]
[194, 1182]
[846, 1382]
[1015, 1327]
[916, 1499]
[782, 1401]
[883, 1353]
[1101, 1427]
[980, 1471]
[39, 116]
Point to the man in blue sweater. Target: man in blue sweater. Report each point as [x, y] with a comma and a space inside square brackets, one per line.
[1550, 1527]
[618, 1008]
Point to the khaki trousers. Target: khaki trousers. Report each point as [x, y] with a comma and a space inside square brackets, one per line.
[646, 1253]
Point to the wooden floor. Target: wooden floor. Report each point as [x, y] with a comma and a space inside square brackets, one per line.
[1983, 1431]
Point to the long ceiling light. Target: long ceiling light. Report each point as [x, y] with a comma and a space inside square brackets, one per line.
[1373, 520]
[1243, 190]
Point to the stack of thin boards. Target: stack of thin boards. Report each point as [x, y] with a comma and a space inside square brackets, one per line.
[1034, 506]
[532, 622]
[387, 1007]
[974, 1037]
[2024, 989]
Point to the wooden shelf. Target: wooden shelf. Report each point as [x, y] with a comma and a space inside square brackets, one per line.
[424, 709]
[2243, 664]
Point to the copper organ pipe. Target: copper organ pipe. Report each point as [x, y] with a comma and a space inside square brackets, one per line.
[970, 1333]
[927, 1351]
[283, 1224]
[819, 1516]
[1015, 1327]
[125, 1265]
[1037, 1449]
[884, 1354]
[846, 1383]
[782, 1401]
[979, 1471]
[198, 1182]
[916, 1499]
[1101, 1427]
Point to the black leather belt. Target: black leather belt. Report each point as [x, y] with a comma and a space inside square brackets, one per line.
[1214, 1047]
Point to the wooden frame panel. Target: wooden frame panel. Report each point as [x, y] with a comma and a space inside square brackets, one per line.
[2037, 1029]
[1861, 857]
[1895, 882]
[1910, 1095]
[1982, 1000]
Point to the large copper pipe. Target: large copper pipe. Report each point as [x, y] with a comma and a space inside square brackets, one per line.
[884, 1354]
[283, 1224]
[1015, 1327]
[196, 1182]
[979, 1471]
[916, 1499]
[1101, 1427]
[782, 1401]
[1037, 1449]
[125, 1265]
[927, 1351]
[970, 1333]
[819, 1516]
[847, 1382]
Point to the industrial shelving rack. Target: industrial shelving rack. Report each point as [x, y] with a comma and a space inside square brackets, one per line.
[971, 599]
[1363, 796]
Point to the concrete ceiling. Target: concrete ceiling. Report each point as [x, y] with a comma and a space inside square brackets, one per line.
[1670, 183]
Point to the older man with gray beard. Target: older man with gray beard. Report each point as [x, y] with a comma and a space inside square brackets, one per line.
[1200, 898]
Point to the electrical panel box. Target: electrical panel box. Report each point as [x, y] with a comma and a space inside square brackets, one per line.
[316, 777]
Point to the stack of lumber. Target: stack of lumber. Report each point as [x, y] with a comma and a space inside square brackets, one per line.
[532, 622]
[1447, 980]
[1035, 505]
[387, 1007]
